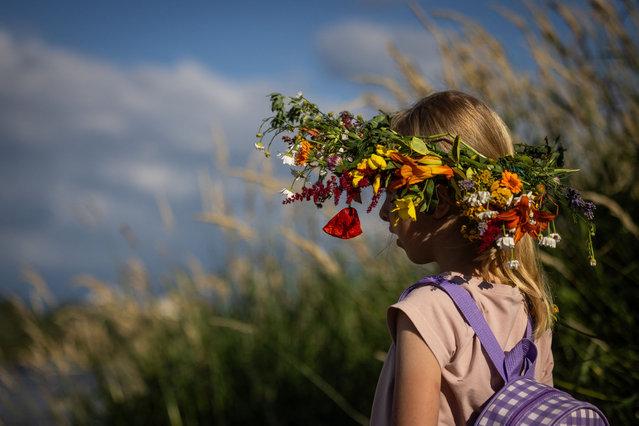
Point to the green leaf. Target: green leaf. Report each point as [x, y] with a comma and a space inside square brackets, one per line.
[424, 205]
[525, 159]
[418, 145]
[454, 152]
[428, 195]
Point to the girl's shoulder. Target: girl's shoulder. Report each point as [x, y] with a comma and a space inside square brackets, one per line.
[481, 291]
[440, 323]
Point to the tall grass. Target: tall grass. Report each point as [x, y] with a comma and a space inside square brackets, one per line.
[288, 333]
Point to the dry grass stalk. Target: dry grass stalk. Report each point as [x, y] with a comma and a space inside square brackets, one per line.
[41, 294]
[388, 83]
[256, 177]
[555, 263]
[308, 246]
[447, 67]
[418, 83]
[206, 282]
[615, 209]
[166, 213]
[227, 222]
[215, 211]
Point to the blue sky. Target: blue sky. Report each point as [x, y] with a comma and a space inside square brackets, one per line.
[107, 106]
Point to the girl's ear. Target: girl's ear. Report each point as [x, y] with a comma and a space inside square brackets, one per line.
[445, 204]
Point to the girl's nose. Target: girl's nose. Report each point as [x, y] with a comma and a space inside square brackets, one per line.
[383, 211]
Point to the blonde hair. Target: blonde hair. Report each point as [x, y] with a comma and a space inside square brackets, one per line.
[480, 127]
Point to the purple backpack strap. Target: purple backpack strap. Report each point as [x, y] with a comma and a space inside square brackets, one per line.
[521, 358]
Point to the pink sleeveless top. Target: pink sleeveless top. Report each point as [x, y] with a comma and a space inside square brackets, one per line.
[468, 378]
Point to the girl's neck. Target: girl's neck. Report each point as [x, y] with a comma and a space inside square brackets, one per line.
[456, 254]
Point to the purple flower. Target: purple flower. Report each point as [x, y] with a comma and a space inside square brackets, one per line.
[589, 210]
[332, 161]
[574, 198]
[576, 202]
[466, 184]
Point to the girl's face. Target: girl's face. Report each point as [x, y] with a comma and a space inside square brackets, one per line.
[418, 239]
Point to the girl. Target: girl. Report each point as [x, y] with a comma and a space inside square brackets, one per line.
[435, 371]
[460, 195]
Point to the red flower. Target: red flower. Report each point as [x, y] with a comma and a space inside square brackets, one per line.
[344, 224]
[524, 218]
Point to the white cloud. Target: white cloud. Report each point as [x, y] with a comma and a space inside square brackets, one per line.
[73, 127]
[155, 178]
[352, 48]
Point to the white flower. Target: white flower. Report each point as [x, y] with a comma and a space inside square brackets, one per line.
[287, 158]
[483, 197]
[593, 262]
[555, 237]
[548, 242]
[512, 264]
[470, 199]
[299, 95]
[259, 146]
[506, 243]
[287, 194]
[477, 199]
[488, 214]
[344, 137]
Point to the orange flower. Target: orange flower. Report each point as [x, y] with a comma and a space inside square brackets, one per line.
[411, 172]
[511, 181]
[302, 155]
[525, 219]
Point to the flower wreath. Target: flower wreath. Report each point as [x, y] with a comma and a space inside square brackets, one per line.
[503, 199]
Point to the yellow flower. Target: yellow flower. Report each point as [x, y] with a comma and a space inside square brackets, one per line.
[376, 162]
[500, 196]
[470, 234]
[472, 212]
[482, 178]
[404, 209]
[357, 176]
[382, 150]
[376, 183]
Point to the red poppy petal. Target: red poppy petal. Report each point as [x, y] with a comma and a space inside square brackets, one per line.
[344, 224]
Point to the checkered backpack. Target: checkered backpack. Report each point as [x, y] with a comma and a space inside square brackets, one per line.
[522, 400]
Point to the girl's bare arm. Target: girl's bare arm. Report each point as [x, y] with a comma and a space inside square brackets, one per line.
[417, 378]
